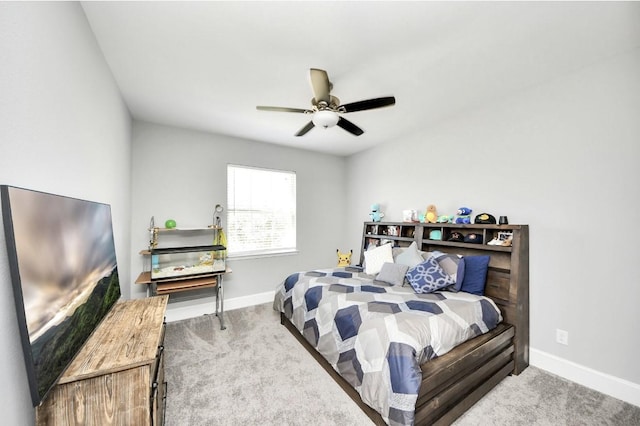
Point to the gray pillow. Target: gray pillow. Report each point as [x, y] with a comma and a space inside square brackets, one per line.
[392, 273]
[411, 256]
[453, 265]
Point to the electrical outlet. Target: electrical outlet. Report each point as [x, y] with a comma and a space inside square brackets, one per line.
[562, 337]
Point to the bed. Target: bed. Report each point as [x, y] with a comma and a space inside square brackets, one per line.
[385, 345]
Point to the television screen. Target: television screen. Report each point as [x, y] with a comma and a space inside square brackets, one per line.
[63, 268]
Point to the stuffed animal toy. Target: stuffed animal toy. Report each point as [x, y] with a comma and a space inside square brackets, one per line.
[463, 215]
[344, 259]
[445, 219]
[376, 215]
[431, 215]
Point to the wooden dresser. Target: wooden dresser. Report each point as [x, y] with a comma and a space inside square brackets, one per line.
[118, 376]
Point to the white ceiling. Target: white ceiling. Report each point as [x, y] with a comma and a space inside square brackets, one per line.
[206, 65]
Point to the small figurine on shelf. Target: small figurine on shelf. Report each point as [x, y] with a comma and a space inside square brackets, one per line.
[219, 237]
[344, 259]
[445, 219]
[376, 215]
[463, 215]
[153, 234]
[431, 215]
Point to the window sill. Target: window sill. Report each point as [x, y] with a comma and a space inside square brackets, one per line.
[261, 255]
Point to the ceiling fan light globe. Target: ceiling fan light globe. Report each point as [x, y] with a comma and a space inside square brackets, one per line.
[325, 119]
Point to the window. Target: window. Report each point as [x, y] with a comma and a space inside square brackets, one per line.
[261, 213]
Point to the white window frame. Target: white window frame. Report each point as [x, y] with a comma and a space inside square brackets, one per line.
[254, 194]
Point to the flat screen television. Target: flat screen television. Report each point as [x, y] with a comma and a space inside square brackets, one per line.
[63, 268]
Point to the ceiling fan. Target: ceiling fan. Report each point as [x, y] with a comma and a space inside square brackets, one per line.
[326, 109]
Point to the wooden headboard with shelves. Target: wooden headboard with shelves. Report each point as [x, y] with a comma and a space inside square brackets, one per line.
[507, 276]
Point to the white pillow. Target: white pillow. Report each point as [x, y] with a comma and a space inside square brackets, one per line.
[411, 256]
[374, 259]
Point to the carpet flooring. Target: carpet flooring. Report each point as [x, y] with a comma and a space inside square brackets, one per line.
[256, 373]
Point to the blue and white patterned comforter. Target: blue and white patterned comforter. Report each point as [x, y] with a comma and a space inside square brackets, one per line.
[376, 336]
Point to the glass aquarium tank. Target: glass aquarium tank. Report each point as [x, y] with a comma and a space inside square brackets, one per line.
[173, 263]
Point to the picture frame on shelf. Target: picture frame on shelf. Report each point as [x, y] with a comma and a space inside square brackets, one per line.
[504, 235]
[409, 215]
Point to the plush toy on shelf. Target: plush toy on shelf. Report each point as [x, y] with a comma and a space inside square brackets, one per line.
[376, 215]
[445, 218]
[344, 259]
[431, 215]
[463, 215]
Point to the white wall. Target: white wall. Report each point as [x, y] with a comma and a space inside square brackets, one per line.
[64, 129]
[181, 174]
[563, 158]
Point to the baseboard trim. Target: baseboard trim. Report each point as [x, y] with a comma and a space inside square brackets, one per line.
[609, 385]
[206, 305]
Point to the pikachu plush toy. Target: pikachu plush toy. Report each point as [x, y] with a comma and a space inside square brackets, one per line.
[344, 259]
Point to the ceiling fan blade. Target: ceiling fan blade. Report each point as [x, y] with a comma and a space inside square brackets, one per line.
[305, 129]
[350, 127]
[369, 104]
[282, 109]
[320, 84]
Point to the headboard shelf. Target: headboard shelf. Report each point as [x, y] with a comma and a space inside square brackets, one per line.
[402, 234]
[469, 246]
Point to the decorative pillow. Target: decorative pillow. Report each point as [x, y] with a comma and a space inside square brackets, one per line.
[454, 266]
[396, 251]
[427, 254]
[410, 256]
[475, 274]
[428, 277]
[375, 258]
[392, 273]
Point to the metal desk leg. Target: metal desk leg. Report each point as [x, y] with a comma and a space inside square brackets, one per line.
[220, 302]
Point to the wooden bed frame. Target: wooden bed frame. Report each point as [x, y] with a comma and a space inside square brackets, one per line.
[452, 383]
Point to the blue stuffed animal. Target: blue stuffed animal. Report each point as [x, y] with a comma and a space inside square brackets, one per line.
[376, 215]
[463, 215]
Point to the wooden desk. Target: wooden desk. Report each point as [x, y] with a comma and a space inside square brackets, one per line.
[215, 281]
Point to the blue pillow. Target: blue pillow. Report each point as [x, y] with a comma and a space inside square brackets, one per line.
[475, 274]
[428, 277]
